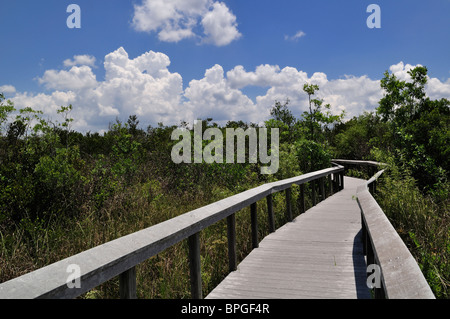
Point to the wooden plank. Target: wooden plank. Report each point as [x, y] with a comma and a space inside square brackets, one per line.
[127, 284]
[401, 275]
[231, 234]
[318, 255]
[195, 266]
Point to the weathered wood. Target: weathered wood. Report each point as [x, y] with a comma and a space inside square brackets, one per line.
[288, 205]
[364, 234]
[357, 162]
[302, 199]
[318, 255]
[231, 232]
[127, 284]
[401, 277]
[270, 216]
[330, 184]
[195, 266]
[313, 192]
[254, 220]
[322, 189]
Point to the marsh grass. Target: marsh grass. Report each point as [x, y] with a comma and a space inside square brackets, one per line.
[422, 219]
[424, 225]
[164, 276]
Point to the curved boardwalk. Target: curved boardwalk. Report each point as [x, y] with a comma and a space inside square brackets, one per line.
[318, 255]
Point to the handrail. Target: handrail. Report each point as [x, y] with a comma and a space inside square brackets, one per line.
[120, 256]
[400, 275]
[357, 162]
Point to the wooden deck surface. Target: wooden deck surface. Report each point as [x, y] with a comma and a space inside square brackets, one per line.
[318, 255]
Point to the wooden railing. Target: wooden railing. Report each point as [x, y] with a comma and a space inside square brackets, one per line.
[119, 257]
[399, 274]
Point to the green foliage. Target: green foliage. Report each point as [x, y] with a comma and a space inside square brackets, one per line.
[420, 128]
[356, 138]
[422, 222]
[5, 110]
[62, 191]
[319, 116]
[312, 155]
[284, 121]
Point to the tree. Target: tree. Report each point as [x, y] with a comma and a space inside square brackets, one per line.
[420, 127]
[310, 89]
[5, 110]
[283, 119]
[319, 116]
[355, 138]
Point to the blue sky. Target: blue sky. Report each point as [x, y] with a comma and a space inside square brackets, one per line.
[206, 55]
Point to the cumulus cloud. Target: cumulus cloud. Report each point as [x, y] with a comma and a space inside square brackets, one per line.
[142, 86]
[145, 86]
[437, 89]
[352, 94]
[220, 25]
[80, 60]
[77, 78]
[175, 20]
[213, 97]
[434, 88]
[7, 89]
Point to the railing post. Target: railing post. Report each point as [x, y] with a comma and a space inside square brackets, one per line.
[363, 234]
[370, 257]
[254, 218]
[322, 189]
[288, 205]
[194, 266]
[127, 284]
[302, 199]
[342, 180]
[270, 213]
[330, 182]
[231, 230]
[313, 182]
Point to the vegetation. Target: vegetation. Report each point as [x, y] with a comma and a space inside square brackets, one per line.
[62, 192]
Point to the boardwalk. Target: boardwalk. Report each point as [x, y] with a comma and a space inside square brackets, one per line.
[318, 255]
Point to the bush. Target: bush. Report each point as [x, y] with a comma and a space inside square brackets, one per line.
[422, 222]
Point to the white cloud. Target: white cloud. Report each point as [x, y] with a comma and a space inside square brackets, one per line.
[213, 97]
[77, 78]
[175, 20]
[80, 60]
[48, 103]
[295, 37]
[265, 75]
[144, 86]
[435, 88]
[220, 25]
[400, 70]
[7, 89]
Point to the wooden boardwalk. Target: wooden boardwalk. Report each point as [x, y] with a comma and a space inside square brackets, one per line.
[318, 255]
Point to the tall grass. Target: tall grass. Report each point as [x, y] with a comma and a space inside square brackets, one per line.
[136, 207]
[422, 221]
